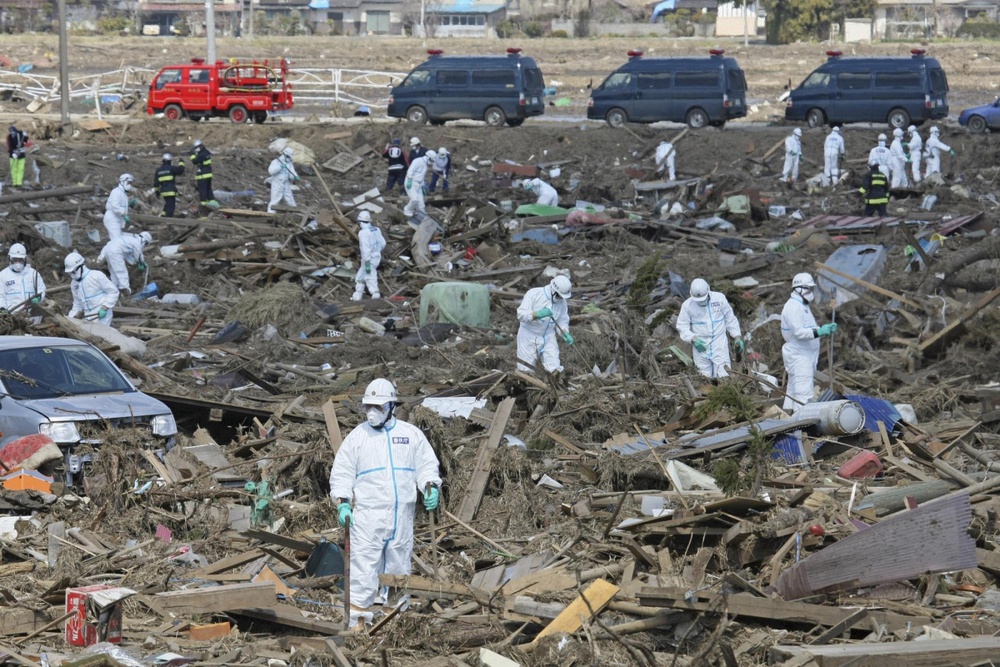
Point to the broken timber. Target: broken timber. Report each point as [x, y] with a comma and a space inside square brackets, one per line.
[481, 471]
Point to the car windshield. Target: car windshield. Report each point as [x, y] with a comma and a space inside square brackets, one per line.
[617, 81]
[53, 372]
[417, 78]
[815, 81]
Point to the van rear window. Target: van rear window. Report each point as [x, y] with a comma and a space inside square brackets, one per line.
[939, 81]
[703, 79]
[654, 80]
[737, 82]
[533, 78]
[496, 78]
[854, 80]
[897, 79]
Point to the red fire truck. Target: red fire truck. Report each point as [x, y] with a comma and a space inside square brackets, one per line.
[242, 91]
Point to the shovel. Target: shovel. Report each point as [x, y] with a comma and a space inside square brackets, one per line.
[833, 319]
[347, 576]
[431, 517]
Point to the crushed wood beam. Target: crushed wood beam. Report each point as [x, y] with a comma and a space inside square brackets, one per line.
[229, 597]
[589, 603]
[870, 286]
[936, 343]
[481, 470]
[931, 653]
[283, 614]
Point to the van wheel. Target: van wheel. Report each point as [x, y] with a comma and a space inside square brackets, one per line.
[416, 115]
[617, 118]
[697, 119]
[173, 112]
[495, 117]
[898, 118]
[260, 117]
[815, 118]
[238, 114]
[515, 122]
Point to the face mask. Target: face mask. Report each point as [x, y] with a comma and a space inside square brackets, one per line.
[806, 294]
[77, 273]
[126, 186]
[378, 415]
[17, 265]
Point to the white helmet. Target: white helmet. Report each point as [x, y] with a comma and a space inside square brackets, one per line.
[935, 130]
[198, 142]
[836, 128]
[881, 137]
[146, 238]
[562, 286]
[73, 261]
[379, 392]
[414, 141]
[17, 251]
[167, 157]
[364, 216]
[912, 128]
[289, 151]
[431, 155]
[797, 132]
[528, 184]
[803, 280]
[443, 151]
[699, 291]
[898, 132]
[126, 178]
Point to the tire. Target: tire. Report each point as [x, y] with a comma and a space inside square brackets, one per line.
[898, 118]
[495, 117]
[977, 125]
[616, 117]
[416, 115]
[173, 112]
[697, 118]
[815, 118]
[238, 113]
[515, 122]
[260, 117]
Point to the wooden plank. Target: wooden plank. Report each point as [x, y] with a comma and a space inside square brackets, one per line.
[217, 598]
[835, 631]
[302, 546]
[20, 621]
[430, 588]
[596, 597]
[284, 614]
[931, 653]
[481, 471]
[332, 426]
[938, 341]
[228, 563]
[869, 286]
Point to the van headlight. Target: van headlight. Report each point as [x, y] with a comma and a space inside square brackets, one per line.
[60, 432]
[164, 425]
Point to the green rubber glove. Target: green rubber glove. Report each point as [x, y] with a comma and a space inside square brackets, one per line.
[740, 345]
[368, 267]
[699, 345]
[128, 218]
[568, 338]
[102, 313]
[409, 183]
[344, 514]
[827, 329]
[424, 188]
[543, 313]
[133, 201]
[951, 152]
[431, 499]
[36, 299]
[142, 266]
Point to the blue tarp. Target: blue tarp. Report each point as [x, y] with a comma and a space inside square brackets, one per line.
[876, 410]
[319, 4]
[664, 6]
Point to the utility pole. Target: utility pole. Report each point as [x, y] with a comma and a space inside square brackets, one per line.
[746, 21]
[423, 32]
[210, 29]
[251, 19]
[63, 68]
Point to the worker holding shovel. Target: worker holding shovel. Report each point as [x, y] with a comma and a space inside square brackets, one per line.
[94, 294]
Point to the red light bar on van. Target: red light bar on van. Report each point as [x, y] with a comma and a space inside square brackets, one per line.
[434, 52]
[512, 51]
[635, 54]
[834, 54]
[917, 53]
[716, 52]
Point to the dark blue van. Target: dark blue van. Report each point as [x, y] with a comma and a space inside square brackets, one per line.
[696, 91]
[897, 91]
[496, 89]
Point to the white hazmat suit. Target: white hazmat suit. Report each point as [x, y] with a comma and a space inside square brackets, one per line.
[899, 179]
[793, 151]
[665, 155]
[540, 338]
[881, 156]
[20, 286]
[115, 211]
[120, 253]
[800, 351]
[282, 171]
[833, 151]
[547, 195]
[416, 177]
[372, 244]
[933, 153]
[916, 151]
[92, 293]
[382, 469]
[709, 323]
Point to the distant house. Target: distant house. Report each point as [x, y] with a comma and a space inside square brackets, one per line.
[167, 13]
[901, 19]
[732, 20]
[358, 17]
[466, 18]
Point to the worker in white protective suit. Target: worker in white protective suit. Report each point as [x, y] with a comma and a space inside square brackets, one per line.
[381, 465]
[801, 349]
[22, 285]
[881, 156]
[93, 294]
[372, 244]
[899, 160]
[793, 153]
[122, 252]
[547, 195]
[916, 146]
[665, 155]
[833, 153]
[116, 209]
[283, 174]
[416, 185]
[544, 314]
[933, 152]
[707, 322]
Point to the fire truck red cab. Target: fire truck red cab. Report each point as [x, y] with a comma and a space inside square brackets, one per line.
[242, 91]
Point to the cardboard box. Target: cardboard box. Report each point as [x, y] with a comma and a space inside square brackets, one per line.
[97, 614]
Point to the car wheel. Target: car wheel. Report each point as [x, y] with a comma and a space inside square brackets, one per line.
[515, 122]
[416, 115]
[697, 119]
[495, 117]
[238, 114]
[173, 112]
[977, 124]
[815, 118]
[898, 118]
[617, 118]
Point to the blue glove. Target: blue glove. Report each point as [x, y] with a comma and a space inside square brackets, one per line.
[344, 514]
[102, 313]
[408, 184]
[699, 345]
[142, 266]
[368, 267]
[543, 313]
[431, 499]
[827, 329]
[567, 338]
[133, 201]
[36, 299]
[128, 218]
[740, 345]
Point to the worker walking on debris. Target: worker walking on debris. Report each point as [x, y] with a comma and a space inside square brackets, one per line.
[801, 349]
[122, 252]
[833, 153]
[93, 294]
[916, 148]
[165, 183]
[381, 465]
[547, 195]
[372, 244]
[201, 158]
[875, 190]
[899, 160]
[17, 150]
[416, 150]
[116, 209]
[665, 155]
[22, 285]
[933, 152]
[707, 321]
[881, 156]
[416, 185]
[283, 174]
[398, 164]
[544, 314]
[441, 169]
[793, 153]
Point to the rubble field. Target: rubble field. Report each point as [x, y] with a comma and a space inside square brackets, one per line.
[623, 512]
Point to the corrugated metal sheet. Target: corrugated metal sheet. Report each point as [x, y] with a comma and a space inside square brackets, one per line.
[695, 443]
[876, 409]
[835, 223]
